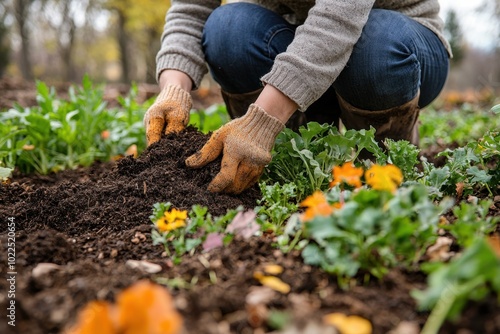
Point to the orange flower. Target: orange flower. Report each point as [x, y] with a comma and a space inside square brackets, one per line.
[147, 308]
[105, 134]
[347, 173]
[95, 317]
[387, 177]
[143, 308]
[317, 205]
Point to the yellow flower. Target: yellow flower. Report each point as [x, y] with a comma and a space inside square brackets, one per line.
[172, 220]
[387, 177]
[347, 173]
[317, 205]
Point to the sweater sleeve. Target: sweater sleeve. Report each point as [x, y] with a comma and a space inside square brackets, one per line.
[181, 39]
[320, 50]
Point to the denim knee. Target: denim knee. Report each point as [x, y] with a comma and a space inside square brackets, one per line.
[393, 59]
[240, 42]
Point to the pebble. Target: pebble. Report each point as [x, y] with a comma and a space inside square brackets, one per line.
[44, 268]
[145, 266]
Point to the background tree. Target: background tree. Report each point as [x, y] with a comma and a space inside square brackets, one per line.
[4, 40]
[139, 27]
[22, 16]
[455, 36]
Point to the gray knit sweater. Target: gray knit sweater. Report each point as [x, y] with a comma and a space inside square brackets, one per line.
[306, 70]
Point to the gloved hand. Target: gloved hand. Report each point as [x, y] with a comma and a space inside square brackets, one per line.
[246, 145]
[170, 112]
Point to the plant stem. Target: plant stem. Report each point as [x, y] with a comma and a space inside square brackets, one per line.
[445, 302]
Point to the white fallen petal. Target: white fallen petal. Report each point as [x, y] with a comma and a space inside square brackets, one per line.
[145, 266]
[43, 268]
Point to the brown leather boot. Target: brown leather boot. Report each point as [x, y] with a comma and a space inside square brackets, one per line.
[398, 123]
[237, 106]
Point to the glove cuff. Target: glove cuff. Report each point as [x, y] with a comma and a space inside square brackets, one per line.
[176, 93]
[261, 127]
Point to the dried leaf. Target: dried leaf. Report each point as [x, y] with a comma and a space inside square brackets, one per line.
[256, 314]
[213, 240]
[352, 324]
[244, 224]
[274, 283]
[260, 295]
[494, 242]
[460, 189]
[440, 251]
[273, 269]
[144, 266]
[132, 150]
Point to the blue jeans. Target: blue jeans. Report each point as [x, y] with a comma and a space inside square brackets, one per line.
[394, 57]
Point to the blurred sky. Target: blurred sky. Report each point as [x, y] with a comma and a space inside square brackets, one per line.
[478, 27]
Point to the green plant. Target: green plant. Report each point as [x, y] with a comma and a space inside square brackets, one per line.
[5, 173]
[373, 231]
[458, 126]
[496, 109]
[59, 134]
[307, 158]
[181, 232]
[277, 203]
[472, 221]
[210, 119]
[471, 276]
[404, 155]
[472, 166]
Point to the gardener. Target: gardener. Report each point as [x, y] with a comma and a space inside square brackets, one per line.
[367, 62]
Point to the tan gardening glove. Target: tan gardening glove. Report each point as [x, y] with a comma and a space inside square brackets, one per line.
[246, 145]
[169, 113]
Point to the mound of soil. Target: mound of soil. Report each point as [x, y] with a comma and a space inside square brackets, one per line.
[89, 222]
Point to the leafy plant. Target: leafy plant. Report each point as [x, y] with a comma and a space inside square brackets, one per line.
[181, 232]
[307, 158]
[472, 221]
[496, 109]
[471, 276]
[277, 204]
[471, 166]
[59, 134]
[210, 119]
[373, 232]
[458, 126]
[403, 154]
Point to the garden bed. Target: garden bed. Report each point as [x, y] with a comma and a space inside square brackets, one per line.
[90, 222]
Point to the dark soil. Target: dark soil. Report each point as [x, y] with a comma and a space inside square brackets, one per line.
[91, 221]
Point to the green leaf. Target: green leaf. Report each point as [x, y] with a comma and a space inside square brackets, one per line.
[496, 109]
[478, 175]
[5, 173]
[192, 244]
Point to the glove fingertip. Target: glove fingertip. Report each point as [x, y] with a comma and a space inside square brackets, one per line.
[174, 128]
[196, 160]
[214, 187]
